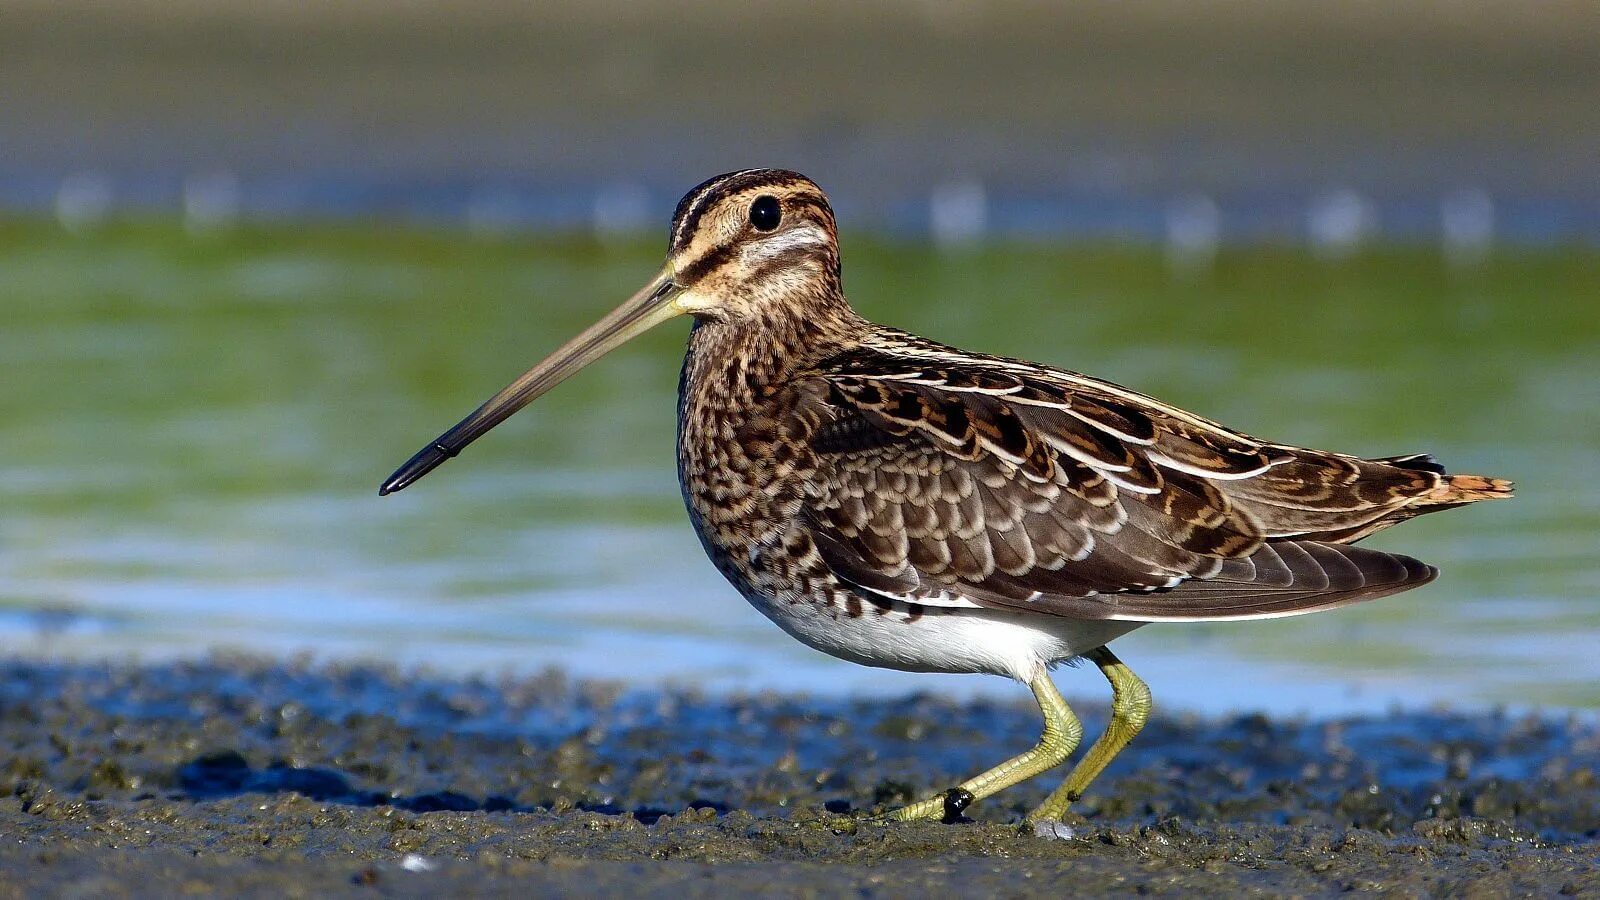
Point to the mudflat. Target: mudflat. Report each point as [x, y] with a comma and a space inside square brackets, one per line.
[259, 778]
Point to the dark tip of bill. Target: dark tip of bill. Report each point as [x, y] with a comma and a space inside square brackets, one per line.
[426, 460]
[396, 482]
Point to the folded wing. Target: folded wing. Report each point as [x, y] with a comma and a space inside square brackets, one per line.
[943, 478]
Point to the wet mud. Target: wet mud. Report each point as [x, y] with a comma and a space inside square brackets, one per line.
[261, 779]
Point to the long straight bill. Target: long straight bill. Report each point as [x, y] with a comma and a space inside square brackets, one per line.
[643, 311]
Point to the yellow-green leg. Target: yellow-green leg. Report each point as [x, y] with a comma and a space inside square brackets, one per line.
[1062, 732]
[1130, 709]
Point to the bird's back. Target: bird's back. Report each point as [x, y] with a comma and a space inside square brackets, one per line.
[932, 475]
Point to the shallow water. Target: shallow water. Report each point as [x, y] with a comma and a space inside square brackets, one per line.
[196, 428]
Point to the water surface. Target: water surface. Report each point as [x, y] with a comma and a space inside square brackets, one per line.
[195, 429]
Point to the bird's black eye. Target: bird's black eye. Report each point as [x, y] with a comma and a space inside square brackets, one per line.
[765, 213]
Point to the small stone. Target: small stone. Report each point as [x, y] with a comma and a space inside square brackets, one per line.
[1052, 830]
[416, 862]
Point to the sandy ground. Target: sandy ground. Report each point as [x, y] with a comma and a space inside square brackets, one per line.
[255, 778]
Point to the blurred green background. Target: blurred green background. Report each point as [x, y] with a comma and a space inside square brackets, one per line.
[252, 256]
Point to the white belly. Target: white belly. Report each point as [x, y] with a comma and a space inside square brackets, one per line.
[1017, 645]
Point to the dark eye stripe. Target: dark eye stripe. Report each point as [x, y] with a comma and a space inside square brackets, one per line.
[818, 207]
[788, 259]
[713, 258]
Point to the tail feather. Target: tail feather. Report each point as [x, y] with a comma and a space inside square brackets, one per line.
[1452, 490]
[1447, 492]
[1455, 490]
[1417, 462]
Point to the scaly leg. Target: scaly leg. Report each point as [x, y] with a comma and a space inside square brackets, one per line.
[1130, 709]
[1062, 732]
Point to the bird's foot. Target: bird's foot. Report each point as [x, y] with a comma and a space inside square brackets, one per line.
[947, 807]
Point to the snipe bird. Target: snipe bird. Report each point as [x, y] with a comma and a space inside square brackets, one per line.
[896, 502]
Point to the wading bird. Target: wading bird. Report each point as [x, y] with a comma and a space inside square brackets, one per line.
[896, 502]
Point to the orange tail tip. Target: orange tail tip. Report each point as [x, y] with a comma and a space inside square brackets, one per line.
[1470, 488]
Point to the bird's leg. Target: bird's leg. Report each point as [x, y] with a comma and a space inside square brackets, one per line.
[1062, 731]
[1130, 709]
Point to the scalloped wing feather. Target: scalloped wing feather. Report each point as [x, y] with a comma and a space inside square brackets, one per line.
[941, 474]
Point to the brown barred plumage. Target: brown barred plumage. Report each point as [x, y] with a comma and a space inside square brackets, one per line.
[1021, 486]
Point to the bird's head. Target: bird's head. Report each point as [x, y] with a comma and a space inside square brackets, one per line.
[747, 241]
[757, 244]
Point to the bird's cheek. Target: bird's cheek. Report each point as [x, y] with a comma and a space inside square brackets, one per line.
[696, 301]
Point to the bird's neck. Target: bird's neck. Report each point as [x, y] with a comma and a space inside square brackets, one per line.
[743, 357]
